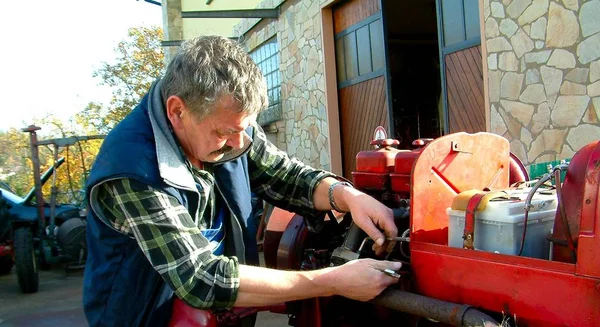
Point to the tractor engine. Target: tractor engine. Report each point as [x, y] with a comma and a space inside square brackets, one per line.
[385, 173]
[479, 242]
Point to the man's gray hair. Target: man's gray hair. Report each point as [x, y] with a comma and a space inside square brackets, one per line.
[207, 68]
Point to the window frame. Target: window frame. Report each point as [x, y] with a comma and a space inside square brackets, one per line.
[267, 58]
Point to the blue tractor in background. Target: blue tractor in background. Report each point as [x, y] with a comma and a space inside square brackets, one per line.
[35, 233]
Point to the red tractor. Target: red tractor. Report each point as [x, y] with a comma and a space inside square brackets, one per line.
[480, 243]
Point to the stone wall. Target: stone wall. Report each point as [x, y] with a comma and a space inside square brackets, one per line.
[544, 75]
[303, 130]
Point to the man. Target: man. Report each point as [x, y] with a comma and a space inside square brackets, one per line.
[169, 200]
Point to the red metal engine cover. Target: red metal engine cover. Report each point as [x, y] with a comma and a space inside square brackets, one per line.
[534, 292]
[380, 160]
[374, 166]
[403, 165]
[402, 172]
[573, 187]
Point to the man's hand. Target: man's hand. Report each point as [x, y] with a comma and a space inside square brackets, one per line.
[371, 216]
[363, 279]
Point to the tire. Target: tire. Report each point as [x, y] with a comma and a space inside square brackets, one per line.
[6, 263]
[72, 238]
[25, 261]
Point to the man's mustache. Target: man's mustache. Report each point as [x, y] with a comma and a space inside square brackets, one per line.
[225, 149]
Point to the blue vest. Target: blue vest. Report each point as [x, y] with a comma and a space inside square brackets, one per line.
[120, 286]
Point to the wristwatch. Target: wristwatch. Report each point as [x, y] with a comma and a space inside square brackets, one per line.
[331, 199]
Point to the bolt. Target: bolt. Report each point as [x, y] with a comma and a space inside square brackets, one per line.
[588, 201]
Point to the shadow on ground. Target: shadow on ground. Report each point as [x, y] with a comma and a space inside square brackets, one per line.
[58, 302]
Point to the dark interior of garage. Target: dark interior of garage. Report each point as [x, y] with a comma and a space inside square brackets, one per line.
[413, 54]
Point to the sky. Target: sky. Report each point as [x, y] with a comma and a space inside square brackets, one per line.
[50, 50]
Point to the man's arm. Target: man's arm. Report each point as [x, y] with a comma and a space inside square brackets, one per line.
[361, 280]
[294, 186]
[176, 249]
[172, 242]
[282, 181]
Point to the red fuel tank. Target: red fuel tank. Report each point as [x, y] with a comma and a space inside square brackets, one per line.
[403, 164]
[380, 160]
[374, 166]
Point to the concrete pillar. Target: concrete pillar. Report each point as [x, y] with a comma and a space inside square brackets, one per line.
[172, 26]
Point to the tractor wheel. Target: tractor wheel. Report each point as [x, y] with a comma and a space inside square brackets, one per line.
[6, 263]
[25, 261]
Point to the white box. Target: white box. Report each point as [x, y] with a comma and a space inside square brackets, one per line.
[499, 227]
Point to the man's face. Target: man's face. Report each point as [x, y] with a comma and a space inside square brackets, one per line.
[218, 133]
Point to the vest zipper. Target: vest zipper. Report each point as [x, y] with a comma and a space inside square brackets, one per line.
[237, 223]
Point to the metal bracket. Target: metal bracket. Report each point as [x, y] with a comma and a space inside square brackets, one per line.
[456, 148]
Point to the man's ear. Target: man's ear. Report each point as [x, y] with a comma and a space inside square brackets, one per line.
[175, 110]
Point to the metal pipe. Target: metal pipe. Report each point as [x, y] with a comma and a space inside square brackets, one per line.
[441, 311]
[53, 192]
[354, 238]
[537, 185]
[35, 160]
[153, 2]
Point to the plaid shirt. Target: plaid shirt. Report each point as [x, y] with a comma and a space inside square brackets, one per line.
[171, 238]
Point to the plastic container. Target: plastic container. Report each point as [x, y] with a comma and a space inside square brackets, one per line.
[499, 227]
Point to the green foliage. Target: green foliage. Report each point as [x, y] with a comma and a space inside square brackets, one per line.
[138, 62]
[17, 166]
[15, 160]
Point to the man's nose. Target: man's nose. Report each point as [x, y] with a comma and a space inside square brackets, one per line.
[236, 141]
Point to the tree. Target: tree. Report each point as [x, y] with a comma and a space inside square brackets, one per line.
[15, 160]
[17, 166]
[139, 62]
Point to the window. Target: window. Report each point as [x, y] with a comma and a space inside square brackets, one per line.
[460, 21]
[360, 52]
[266, 57]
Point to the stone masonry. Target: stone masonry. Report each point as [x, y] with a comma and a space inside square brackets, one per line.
[543, 59]
[303, 131]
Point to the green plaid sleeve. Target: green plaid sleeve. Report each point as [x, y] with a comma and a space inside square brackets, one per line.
[283, 181]
[172, 242]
